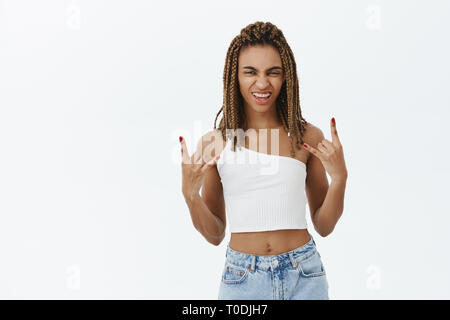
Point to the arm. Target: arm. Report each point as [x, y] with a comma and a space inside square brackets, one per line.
[328, 214]
[207, 223]
[208, 210]
[326, 203]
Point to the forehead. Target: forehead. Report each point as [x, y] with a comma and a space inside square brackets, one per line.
[259, 57]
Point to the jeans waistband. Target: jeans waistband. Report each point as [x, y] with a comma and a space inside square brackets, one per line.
[253, 262]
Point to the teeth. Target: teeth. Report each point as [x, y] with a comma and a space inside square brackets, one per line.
[259, 95]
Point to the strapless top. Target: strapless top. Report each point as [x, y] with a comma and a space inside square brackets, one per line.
[262, 191]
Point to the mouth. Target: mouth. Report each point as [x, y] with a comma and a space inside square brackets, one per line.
[262, 98]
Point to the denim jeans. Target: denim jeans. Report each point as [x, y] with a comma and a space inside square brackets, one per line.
[298, 274]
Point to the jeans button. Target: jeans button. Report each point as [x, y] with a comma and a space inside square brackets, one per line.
[275, 263]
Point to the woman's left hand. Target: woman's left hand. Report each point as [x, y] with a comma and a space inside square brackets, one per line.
[331, 154]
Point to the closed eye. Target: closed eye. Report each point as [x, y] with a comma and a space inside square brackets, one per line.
[251, 72]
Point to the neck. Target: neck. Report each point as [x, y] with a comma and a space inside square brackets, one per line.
[262, 120]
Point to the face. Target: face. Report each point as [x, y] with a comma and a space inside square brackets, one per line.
[260, 70]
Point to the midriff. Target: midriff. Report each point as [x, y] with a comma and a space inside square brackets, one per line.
[269, 242]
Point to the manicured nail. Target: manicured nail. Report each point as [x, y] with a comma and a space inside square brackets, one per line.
[305, 145]
[181, 138]
[334, 121]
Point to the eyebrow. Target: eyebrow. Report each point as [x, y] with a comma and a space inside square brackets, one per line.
[253, 68]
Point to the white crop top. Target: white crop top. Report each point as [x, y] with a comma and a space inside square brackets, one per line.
[262, 191]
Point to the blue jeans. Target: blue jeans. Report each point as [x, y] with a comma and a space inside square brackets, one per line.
[294, 275]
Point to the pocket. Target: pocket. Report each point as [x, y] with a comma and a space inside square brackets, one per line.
[233, 274]
[312, 266]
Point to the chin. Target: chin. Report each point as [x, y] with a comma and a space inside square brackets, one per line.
[260, 109]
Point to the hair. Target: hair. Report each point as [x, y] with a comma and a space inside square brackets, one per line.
[287, 102]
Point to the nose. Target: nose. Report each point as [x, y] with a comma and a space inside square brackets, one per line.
[261, 83]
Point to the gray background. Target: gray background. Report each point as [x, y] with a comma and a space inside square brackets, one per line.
[93, 97]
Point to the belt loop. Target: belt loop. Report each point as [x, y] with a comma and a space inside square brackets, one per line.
[291, 257]
[253, 263]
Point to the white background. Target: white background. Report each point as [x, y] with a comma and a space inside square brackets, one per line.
[93, 97]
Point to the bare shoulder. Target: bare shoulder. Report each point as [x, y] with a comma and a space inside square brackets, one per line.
[211, 144]
[313, 135]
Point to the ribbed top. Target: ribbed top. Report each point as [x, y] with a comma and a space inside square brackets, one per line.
[262, 191]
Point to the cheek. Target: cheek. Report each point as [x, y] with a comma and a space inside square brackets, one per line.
[244, 86]
[278, 85]
[279, 82]
[244, 81]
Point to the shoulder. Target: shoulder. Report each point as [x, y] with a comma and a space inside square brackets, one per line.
[313, 135]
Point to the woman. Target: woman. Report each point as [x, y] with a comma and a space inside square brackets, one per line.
[271, 254]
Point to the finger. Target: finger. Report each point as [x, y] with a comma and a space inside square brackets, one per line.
[328, 145]
[202, 161]
[312, 150]
[334, 134]
[198, 157]
[184, 151]
[211, 163]
[322, 148]
[195, 158]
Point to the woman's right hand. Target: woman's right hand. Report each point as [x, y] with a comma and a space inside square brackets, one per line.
[193, 169]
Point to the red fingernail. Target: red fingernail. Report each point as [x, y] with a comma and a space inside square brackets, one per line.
[332, 119]
[181, 138]
[305, 145]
